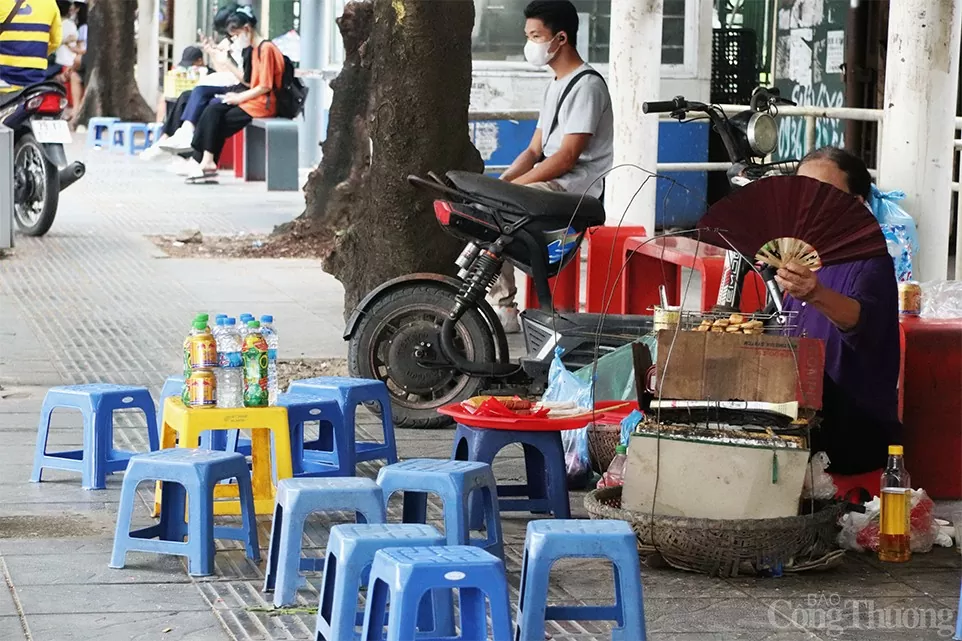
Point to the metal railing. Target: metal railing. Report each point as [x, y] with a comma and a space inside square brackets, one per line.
[811, 116]
[166, 53]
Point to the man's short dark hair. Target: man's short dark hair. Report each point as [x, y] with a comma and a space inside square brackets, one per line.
[856, 173]
[557, 15]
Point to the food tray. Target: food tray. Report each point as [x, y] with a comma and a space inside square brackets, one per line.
[531, 423]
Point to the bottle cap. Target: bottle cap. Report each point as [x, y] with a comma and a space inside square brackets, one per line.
[200, 324]
[221, 321]
[253, 324]
[246, 317]
[621, 449]
[895, 450]
[221, 316]
[231, 321]
[267, 318]
[203, 317]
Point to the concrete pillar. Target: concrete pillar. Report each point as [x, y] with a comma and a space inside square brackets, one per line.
[315, 30]
[148, 50]
[921, 82]
[185, 25]
[635, 77]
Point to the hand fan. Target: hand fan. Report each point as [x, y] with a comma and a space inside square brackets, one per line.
[786, 218]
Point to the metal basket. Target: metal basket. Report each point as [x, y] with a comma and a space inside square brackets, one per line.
[727, 548]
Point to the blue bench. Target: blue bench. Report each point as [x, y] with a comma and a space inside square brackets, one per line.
[270, 153]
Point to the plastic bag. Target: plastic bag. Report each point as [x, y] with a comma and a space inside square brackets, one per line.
[818, 483]
[629, 424]
[898, 226]
[860, 532]
[565, 386]
[942, 299]
[614, 373]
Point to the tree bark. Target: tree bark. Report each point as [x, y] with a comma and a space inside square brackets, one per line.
[111, 86]
[400, 107]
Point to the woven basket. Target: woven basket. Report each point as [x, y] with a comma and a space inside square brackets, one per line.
[725, 547]
[602, 441]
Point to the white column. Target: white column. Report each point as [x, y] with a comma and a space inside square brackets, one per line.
[635, 77]
[921, 81]
[315, 30]
[185, 26]
[148, 50]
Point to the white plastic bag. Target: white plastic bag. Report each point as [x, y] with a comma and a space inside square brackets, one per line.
[564, 386]
[942, 299]
[898, 226]
[860, 532]
[818, 483]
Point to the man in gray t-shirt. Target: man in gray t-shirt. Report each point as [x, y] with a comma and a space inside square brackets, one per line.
[569, 153]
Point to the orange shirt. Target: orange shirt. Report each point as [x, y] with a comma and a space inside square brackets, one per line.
[267, 70]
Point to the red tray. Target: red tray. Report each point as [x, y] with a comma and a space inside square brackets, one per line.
[531, 424]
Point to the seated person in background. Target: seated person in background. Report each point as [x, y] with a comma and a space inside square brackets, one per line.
[224, 117]
[572, 145]
[853, 307]
[170, 112]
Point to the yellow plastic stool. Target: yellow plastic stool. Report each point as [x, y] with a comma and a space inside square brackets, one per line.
[183, 427]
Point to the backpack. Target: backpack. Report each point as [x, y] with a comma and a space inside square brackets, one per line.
[292, 93]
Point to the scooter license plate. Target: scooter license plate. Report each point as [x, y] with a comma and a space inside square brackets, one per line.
[51, 132]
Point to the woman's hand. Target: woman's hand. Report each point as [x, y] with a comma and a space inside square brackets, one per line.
[798, 281]
[232, 98]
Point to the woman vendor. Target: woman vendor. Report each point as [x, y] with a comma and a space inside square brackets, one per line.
[853, 308]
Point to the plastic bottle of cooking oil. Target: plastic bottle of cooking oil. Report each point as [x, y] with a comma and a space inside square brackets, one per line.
[894, 517]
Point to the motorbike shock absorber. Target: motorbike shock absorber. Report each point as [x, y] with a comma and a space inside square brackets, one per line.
[484, 271]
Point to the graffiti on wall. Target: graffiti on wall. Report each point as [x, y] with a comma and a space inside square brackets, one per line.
[810, 48]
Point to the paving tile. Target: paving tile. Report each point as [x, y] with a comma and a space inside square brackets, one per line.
[934, 583]
[91, 569]
[7, 605]
[798, 635]
[135, 597]
[140, 626]
[47, 547]
[11, 629]
[711, 615]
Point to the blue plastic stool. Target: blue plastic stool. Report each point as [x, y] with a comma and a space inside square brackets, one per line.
[453, 481]
[98, 131]
[549, 540]
[209, 439]
[402, 576]
[154, 131]
[349, 393]
[98, 458]
[958, 622]
[123, 137]
[350, 553]
[544, 461]
[296, 500]
[189, 478]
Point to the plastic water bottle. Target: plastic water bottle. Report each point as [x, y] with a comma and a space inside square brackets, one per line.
[242, 328]
[254, 352]
[270, 335]
[230, 374]
[615, 476]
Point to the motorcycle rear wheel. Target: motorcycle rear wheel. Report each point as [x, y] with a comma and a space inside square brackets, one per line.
[36, 187]
[401, 329]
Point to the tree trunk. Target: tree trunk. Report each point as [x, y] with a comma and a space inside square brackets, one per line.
[111, 87]
[400, 107]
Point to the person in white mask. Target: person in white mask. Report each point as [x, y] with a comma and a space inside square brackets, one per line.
[572, 144]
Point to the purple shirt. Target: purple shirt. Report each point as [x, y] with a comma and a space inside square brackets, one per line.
[863, 362]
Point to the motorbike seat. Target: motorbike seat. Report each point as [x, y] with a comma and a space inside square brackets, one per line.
[588, 211]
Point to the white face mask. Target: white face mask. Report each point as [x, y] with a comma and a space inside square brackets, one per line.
[537, 54]
[242, 41]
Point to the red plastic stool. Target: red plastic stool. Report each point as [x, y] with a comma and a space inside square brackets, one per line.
[227, 154]
[237, 141]
[565, 294]
[605, 258]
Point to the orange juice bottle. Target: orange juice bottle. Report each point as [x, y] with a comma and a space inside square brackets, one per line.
[895, 513]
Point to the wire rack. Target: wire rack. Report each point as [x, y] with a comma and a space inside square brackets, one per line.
[747, 323]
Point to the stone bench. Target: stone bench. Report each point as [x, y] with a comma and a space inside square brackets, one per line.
[270, 153]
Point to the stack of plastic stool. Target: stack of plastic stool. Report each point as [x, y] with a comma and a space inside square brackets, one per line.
[402, 576]
[98, 131]
[98, 458]
[550, 540]
[349, 393]
[546, 489]
[350, 553]
[296, 500]
[123, 136]
[453, 482]
[190, 477]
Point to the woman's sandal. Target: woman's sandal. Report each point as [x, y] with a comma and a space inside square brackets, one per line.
[207, 177]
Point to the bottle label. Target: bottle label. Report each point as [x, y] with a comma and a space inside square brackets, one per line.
[230, 359]
[272, 354]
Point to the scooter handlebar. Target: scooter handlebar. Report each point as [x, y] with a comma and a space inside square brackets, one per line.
[664, 106]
